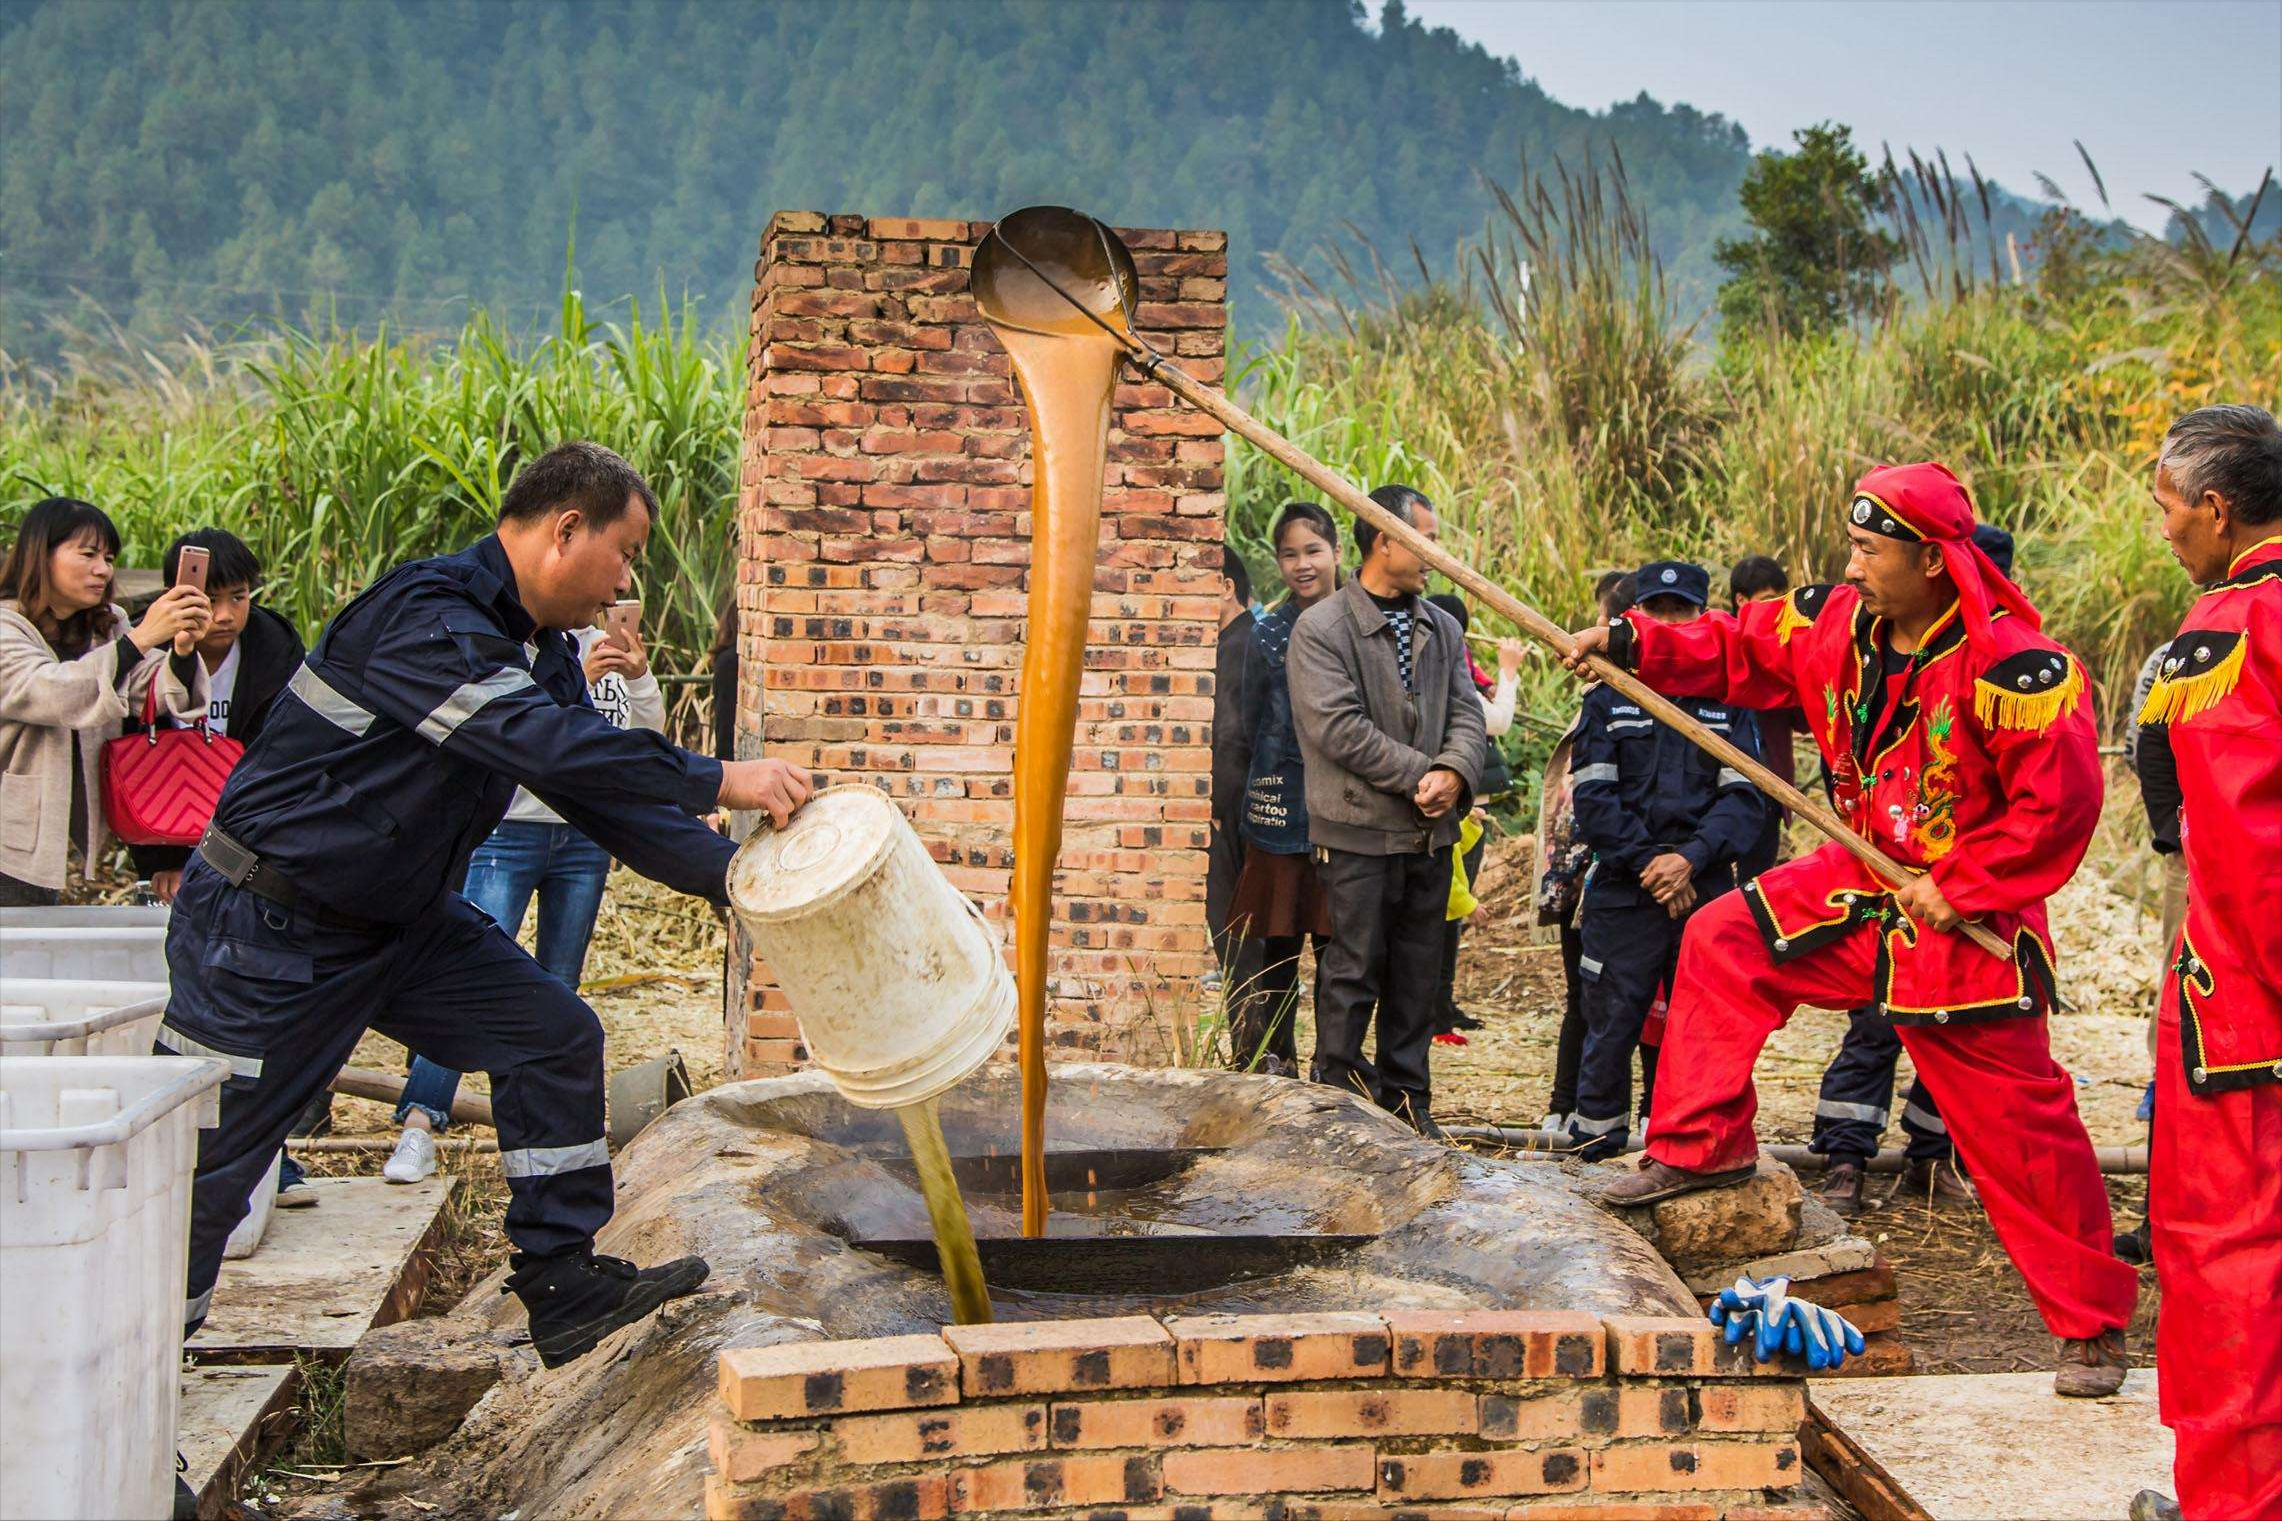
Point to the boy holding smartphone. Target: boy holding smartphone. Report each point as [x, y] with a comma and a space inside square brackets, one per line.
[533, 853]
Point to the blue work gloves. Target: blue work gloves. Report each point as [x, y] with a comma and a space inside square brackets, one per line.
[1763, 1309]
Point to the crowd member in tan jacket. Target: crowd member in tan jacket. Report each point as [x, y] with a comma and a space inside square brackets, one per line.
[72, 667]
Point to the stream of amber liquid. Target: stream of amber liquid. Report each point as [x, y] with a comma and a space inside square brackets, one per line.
[947, 1212]
[1067, 375]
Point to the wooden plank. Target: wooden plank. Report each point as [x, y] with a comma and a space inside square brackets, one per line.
[1845, 1467]
[1956, 1446]
[232, 1416]
[324, 1276]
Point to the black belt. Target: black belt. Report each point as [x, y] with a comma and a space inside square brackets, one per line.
[243, 868]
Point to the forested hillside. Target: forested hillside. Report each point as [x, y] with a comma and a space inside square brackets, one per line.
[207, 161]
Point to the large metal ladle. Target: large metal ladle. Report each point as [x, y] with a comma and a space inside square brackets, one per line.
[1043, 267]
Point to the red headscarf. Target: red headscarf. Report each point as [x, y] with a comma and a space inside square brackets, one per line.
[1924, 503]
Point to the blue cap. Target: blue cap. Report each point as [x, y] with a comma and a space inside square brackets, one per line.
[1673, 578]
[1997, 545]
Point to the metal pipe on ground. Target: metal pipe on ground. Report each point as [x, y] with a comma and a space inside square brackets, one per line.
[2115, 1161]
[362, 1082]
[357, 1145]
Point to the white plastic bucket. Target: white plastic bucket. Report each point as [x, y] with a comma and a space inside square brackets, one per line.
[47, 1016]
[897, 983]
[96, 1155]
[86, 916]
[89, 953]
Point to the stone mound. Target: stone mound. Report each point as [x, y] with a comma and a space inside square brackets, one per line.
[769, 1180]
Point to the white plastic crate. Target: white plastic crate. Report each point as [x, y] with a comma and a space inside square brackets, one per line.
[86, 953]
[96, 1156]
[47, 1016]
[85, 916]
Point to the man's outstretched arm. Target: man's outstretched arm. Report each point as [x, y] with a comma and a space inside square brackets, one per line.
[1750, 660]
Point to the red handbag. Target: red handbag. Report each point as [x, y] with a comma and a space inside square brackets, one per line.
[160, 786]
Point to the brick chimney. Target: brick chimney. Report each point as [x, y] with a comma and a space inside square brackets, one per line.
[884, 526]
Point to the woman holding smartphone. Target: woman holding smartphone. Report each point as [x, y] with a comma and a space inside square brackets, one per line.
[72, 668]
[533, 853]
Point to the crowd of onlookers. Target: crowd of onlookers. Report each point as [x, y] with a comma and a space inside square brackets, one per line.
[1355, 755]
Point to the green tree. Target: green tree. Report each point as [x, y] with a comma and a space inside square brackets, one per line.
[1817, 255]
[397, 159]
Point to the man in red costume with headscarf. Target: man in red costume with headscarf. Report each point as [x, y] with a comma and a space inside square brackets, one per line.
[2215, 1186]
[1959, 741]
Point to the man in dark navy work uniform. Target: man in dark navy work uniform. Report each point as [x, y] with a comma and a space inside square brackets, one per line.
[323, 899]
[1667, 823]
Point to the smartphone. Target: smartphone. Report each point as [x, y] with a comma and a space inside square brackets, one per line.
[621, 619]
[190, 566]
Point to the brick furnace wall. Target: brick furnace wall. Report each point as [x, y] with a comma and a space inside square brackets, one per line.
[1300, 1417]
[884, 525]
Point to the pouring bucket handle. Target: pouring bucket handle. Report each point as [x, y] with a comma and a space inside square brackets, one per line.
[991, 932]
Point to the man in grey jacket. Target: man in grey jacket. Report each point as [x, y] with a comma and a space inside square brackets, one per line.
[1390, 727]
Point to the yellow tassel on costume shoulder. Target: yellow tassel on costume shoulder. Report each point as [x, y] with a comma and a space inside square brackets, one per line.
[2001, 708]
[2174, 698]
[1789, 621]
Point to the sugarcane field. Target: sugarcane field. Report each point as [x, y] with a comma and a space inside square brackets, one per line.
[1281, 760]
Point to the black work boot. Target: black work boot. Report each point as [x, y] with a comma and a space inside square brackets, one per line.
[2134, 1247]
[1408, 1108]
[575, 1301]
[1841, 1186]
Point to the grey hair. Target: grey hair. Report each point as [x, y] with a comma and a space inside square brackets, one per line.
[2233, 450]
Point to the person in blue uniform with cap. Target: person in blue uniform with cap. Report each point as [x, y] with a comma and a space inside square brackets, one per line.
[1667, 823]
[323, 899]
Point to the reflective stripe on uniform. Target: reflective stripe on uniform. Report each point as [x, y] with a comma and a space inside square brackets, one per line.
[1730, 777]
[1630, 723]
[327, 703]
[1588, 964]
[546, 1161]
[469, 700]
[1587, 1126]
[1924, 1119]
[194, 1310]
[1600, 771]
[1832, 1109]
[182, 1045]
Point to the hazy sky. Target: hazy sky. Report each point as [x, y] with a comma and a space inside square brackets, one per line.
[2157, 89]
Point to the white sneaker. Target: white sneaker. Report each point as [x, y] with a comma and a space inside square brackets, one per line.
[413, 1159]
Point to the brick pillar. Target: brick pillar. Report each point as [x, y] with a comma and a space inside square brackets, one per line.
[885, 542]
